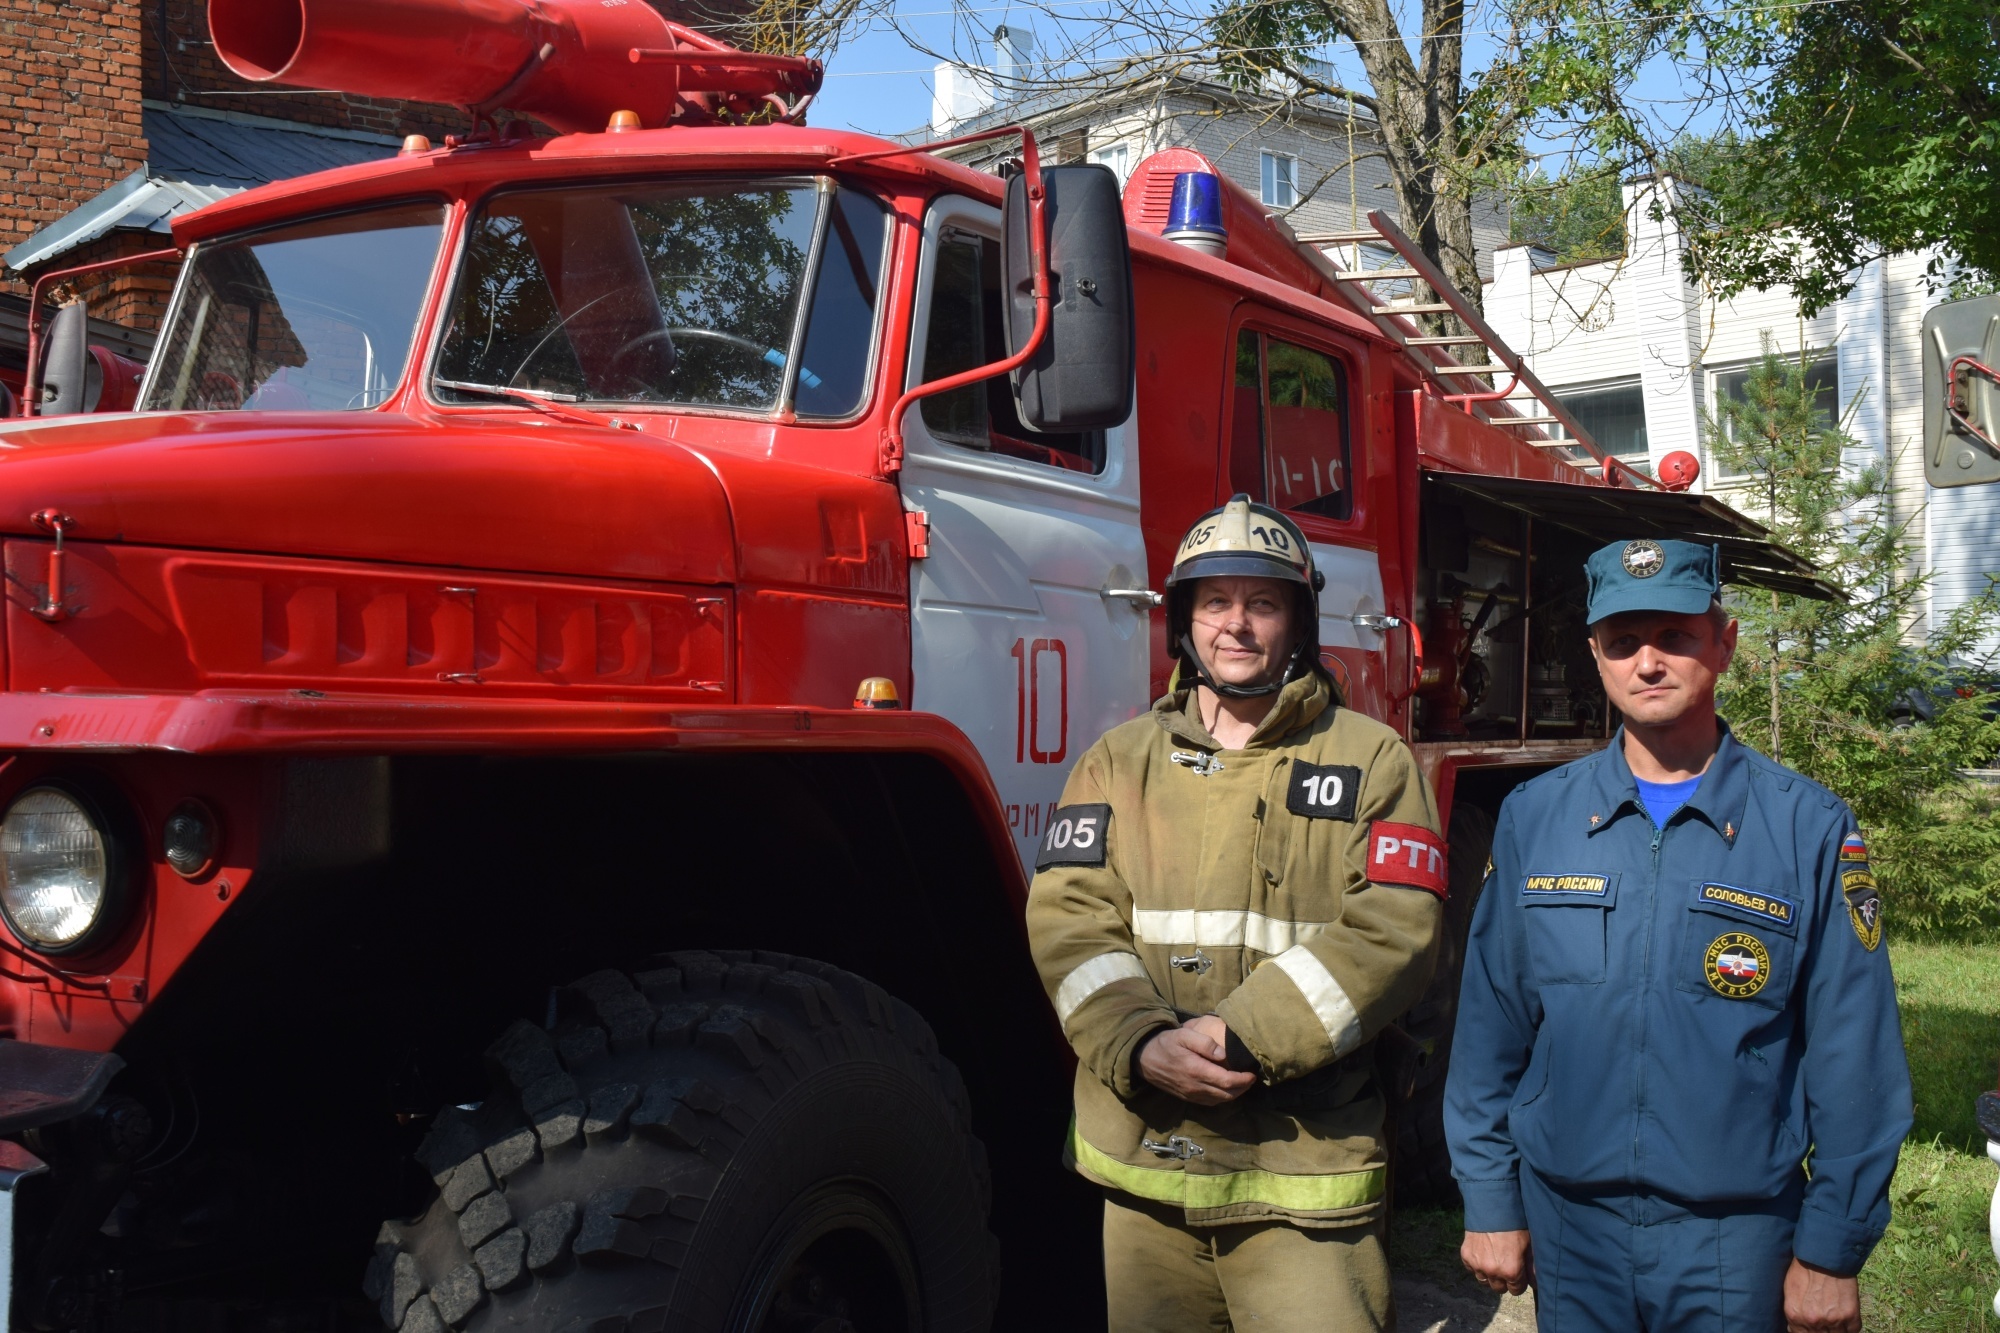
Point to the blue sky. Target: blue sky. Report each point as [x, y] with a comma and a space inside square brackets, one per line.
[873, 85]
[877, 83]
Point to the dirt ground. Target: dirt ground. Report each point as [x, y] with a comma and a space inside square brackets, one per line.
[1426, 1307]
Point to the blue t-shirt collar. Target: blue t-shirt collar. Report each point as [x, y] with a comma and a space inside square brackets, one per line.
[1718, 798]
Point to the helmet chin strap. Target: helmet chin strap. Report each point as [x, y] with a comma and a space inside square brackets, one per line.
[1201, 676]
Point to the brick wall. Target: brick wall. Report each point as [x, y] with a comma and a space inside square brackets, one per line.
[181, 66]
[69, 107]
[135, 297]
[73, 76]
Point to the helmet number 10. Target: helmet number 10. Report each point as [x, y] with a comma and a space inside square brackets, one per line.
[1274, 537]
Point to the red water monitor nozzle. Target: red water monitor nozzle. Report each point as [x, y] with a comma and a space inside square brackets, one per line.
[570, 63]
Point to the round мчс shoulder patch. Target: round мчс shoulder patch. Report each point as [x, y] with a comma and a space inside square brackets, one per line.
[1737, 965]
[1643, 558]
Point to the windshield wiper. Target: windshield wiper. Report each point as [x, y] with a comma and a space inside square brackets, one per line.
[542, 400]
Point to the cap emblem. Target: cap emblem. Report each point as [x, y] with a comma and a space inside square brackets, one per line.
[1643, 558]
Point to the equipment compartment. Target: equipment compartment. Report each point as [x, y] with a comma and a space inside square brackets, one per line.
[1500, 603]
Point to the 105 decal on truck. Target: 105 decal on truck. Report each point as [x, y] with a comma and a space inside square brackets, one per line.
[583, 630]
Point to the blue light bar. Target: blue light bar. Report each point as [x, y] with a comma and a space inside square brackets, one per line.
[1197, 206]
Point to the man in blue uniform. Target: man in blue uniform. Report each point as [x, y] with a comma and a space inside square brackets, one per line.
[1678, 1088]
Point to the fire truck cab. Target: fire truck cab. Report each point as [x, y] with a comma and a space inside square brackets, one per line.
[533, 725]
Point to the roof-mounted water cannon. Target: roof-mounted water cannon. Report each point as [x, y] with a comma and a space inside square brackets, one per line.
[570, 63]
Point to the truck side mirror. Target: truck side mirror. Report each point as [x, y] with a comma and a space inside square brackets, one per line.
[1962, 392]
[1081, 376]
[66, 363]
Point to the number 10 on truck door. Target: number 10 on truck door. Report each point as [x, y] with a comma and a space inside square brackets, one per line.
[1040, 700]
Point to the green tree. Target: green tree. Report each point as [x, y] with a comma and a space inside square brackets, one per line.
[1876, 131]
[1577, 216]
[1824, 685]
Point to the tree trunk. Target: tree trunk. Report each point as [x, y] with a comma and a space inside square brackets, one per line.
[1777, 734]
[1418, 109]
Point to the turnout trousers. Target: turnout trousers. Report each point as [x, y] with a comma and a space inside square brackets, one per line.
[1630, 1263]
[1163, 1276]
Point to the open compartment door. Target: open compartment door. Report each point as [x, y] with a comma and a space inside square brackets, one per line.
[1606, 514]
[1501, 596]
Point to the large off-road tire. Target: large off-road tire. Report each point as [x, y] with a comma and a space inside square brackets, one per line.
[1423, 1162]
[728, 1143]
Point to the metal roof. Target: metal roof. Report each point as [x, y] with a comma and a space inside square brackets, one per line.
[196, 157]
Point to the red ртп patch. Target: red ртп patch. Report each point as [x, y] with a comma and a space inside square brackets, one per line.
[1406, 854]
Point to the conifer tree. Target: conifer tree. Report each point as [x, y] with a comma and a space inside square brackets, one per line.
[1832, 683]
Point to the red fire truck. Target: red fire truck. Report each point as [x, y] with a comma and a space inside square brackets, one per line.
[530, 726]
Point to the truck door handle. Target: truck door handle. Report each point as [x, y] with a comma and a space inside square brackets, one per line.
[1374, 622]
[1139, 598]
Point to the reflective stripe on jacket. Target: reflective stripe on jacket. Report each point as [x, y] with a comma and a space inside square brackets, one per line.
[1173, 871]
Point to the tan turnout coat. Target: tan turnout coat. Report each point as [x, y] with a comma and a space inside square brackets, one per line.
[1293, 888]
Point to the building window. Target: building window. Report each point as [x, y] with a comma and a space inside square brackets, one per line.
[1118, 157]
[1614, 415]
[1730, 384]
[1279, 180]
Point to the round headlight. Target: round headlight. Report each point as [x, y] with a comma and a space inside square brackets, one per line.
[54, 869]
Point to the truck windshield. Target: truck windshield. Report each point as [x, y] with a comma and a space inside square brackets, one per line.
[313, 317]
[692, 294]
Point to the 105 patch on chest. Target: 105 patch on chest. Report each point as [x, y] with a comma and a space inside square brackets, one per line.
[1323, 791]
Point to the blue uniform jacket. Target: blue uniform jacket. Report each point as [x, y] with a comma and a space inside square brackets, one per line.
[1687, 1011]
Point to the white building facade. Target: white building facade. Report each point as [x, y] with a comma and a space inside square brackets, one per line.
[1640, 356]
[1316, 162]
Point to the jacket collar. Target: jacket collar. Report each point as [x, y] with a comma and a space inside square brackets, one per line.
[1719, 800]
[1298, 705]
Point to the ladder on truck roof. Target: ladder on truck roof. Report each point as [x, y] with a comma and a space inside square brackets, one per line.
[1396, 319]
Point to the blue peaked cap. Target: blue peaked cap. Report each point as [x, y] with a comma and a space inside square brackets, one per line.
[1648, 575]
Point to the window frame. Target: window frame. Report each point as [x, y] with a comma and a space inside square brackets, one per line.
[1346, 359]
[783, 411]
[1267, 157]
[1635, 382]
[1711, 385]
[978, 219]
[423, 336]
[1120, 146]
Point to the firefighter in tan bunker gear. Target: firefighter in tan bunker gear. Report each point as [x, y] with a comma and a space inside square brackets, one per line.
[1240, 889]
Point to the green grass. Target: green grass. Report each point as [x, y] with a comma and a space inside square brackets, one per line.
[1934, 1271]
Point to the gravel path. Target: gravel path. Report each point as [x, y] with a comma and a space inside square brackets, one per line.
[1424, 1307]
